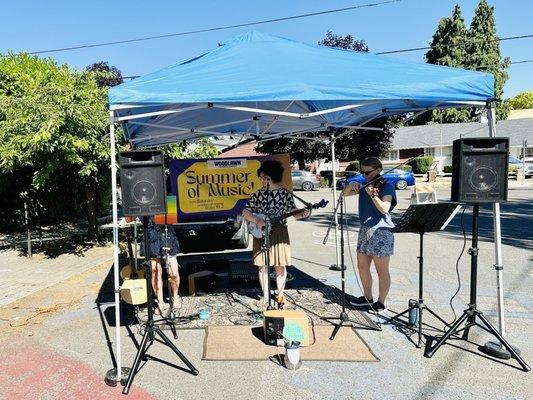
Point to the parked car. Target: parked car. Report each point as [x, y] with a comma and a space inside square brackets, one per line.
[518, 163]
[305, 180]
[399, 178]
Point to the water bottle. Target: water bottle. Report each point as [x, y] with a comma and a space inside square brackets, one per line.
[292, 359]
[413, 312]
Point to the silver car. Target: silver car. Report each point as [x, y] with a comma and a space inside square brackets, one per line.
[304, 180]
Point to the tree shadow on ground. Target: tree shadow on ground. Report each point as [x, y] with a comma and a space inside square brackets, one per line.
[55, 243]
[516, 222]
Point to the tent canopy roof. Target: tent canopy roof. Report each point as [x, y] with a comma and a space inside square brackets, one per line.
[257, 84]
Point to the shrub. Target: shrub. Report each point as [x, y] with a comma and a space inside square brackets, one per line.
[406, 168]
[513, 169]
[421, 164]
[448, 169]
[324, 182]
[353, 166]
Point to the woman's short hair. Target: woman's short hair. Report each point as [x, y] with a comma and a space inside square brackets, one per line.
[272, 168]
[372, 162]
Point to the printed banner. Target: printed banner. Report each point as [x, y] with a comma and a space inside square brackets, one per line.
[207, 189]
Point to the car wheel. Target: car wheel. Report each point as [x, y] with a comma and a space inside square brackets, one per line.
[401, 184]
[307, 186]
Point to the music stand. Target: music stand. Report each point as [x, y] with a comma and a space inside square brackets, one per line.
[422, 218]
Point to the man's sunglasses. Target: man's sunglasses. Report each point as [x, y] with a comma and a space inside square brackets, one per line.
[367, 172]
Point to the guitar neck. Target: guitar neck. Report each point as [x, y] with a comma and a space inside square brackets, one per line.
[284, 216]
[320, 204]
[130, 254]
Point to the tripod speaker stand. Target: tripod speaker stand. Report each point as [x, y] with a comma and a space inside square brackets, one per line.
[151, 329]
[471, 313]
[422, 218]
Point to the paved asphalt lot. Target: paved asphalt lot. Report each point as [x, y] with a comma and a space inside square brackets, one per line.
[65, 354]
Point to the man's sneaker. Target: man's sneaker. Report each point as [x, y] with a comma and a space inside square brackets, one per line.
[361, 301]
[378, 307]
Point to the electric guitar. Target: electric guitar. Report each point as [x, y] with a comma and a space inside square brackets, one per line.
[257, 232]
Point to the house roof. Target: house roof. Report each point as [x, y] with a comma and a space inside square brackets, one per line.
[411, 137]
[241, 150]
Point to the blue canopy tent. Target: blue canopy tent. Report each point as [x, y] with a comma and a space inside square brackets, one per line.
[258, 85]
[266, 87]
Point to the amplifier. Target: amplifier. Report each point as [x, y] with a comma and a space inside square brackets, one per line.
[202, 282]
[292, 324]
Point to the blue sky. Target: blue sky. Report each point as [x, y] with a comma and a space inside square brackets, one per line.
[40, 25]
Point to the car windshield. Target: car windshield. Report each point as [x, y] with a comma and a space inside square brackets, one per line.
[514, 160]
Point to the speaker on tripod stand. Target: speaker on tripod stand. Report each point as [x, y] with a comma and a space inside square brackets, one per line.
[479, 176]
[142, 183]
[480, 170]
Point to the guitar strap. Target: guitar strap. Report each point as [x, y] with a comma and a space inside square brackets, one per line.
[268, 200]
[307, 205]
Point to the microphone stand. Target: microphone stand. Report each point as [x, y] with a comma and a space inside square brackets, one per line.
[265, 248]
[343, 317]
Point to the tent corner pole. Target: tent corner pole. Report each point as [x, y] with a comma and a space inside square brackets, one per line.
[115, 245]
[498, 265]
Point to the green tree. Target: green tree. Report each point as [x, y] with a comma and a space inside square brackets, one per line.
[105, 75]
[483, 52]
[448, 44]
[474, 48]
[448, 48]
[347, 42]
[202, 148]
[522, 101]
[301, 151]
[53, 123]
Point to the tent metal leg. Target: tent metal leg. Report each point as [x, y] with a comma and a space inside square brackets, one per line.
[115, 245]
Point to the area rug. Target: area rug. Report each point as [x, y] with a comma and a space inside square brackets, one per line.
[245, 343]
[239, 307]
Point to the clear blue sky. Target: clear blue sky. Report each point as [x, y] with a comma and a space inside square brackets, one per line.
[42, 25]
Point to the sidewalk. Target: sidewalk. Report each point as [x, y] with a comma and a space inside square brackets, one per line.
[22, 276]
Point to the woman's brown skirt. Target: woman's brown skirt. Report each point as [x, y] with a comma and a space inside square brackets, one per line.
[280, 248]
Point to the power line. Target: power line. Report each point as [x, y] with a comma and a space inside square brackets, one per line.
[452, 45]
[493, 65]
[522, 62]
[261, 22]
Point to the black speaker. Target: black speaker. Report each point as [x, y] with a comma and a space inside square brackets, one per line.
[480, 170]
[142, 181]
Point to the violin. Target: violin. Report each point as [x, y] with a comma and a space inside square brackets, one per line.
[375, 185]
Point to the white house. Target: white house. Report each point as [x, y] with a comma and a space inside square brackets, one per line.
[436, 139]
